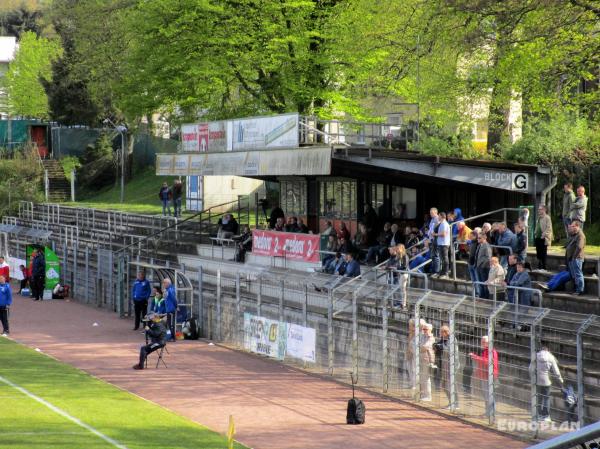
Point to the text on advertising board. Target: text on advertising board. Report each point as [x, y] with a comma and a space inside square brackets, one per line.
[286, 244]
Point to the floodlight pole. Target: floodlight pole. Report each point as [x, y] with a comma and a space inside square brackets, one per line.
[120, 129]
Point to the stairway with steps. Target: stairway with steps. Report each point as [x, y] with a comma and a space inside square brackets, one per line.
[59, 185]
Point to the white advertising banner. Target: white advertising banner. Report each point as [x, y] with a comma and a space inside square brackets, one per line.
[301, 342]
[279, 131]
[264, 336]
[189, 138]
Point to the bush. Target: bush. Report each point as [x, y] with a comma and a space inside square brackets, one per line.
[70, 163]
[20, 180]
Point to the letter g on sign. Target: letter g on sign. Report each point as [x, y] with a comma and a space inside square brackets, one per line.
[520, 181]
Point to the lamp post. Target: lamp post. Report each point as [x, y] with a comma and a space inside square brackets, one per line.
[121, 130]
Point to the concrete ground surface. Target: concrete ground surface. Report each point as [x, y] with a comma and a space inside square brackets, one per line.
[274, 406]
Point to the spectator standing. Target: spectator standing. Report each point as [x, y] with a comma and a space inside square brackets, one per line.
[165, 195]
[26, 277]
[177, 194]
[276, 214]
[496, 276]
[158, 302]
[542, 236]
[431, 230]
[481, 370]
[170, 305]
[38, 274]
[522, 242]
[5, 302]
[579, 207]
[483, 256]
[302, 226]
[506, 238]
[472, 261]
[410, 353]
[402, 264]
[511, 270]
[140, 293]
[575, 255]
[541, 370]
[427, 360]
[568, 200]
[523, 280]
[443, 238]
[463, 235]
[4, 269]
[442, 349]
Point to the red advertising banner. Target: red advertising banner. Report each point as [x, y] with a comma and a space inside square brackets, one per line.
[286, 244]
[203, 134]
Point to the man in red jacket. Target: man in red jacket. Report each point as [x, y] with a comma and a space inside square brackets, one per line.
[4, 269]
[481, 371]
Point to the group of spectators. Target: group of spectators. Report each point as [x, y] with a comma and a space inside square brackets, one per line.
[278, 222]
[171, 195]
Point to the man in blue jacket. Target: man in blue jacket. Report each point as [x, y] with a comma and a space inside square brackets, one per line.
[352, 266]
[5, 302]
[520, 279]
[38, 275]
[170, 305]
[140, 294]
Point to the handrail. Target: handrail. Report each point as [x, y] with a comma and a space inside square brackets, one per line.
[584, 435]
[465, 220]
[176, 224]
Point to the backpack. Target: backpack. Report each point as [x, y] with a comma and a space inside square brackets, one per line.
[355, 413]
[190, 329]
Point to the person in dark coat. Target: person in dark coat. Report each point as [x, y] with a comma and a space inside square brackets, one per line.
[157, 333]
[177, 194]
[38, 275]
[164, 195]
[276, 213]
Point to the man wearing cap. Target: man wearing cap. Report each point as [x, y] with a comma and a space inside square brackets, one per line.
[158, 335]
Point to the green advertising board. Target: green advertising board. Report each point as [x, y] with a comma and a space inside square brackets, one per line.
[52, 266]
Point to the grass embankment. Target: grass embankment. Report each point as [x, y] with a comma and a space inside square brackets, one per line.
[141, 195]
[131, 421]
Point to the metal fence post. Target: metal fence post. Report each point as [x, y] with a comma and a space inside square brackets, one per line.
[305, 307]
[281, 317]
[200, 300]
[65, 261]
[330, 342]
[355, 333]
[238, 310]
[384, 346]
[219, 305]
[259, 297]
[491, 393]
[120, 285]
[87, 274]
[580, 387]
[452, 353]
[74, 280]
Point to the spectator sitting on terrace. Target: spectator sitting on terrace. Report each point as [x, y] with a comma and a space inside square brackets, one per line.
[412, 239]
[396, 238]
[343, 231]
[521, 235]
[276, 213]
[345, 246]
[228, 227]
[383, 242]
[338, 265]
[418, 260]
[302, 226]
[244, 244]
[279, 226]
[328, 229]
[291, 225]
[557, 281]
[506, 238]
[352, 266]
[360, 241]
[333, 246]
[520, 279]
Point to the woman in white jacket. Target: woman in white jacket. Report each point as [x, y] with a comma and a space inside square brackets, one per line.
[542, 369]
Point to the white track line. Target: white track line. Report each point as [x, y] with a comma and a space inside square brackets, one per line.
[63, 413]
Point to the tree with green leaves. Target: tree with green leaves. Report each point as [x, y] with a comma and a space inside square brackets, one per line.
[32, 63]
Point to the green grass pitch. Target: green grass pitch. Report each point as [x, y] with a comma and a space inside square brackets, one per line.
[123, 419]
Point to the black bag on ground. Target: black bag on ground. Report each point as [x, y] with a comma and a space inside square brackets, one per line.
[190, 329]
[355, 413]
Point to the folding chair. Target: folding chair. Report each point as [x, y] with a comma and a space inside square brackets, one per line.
[160, 357]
